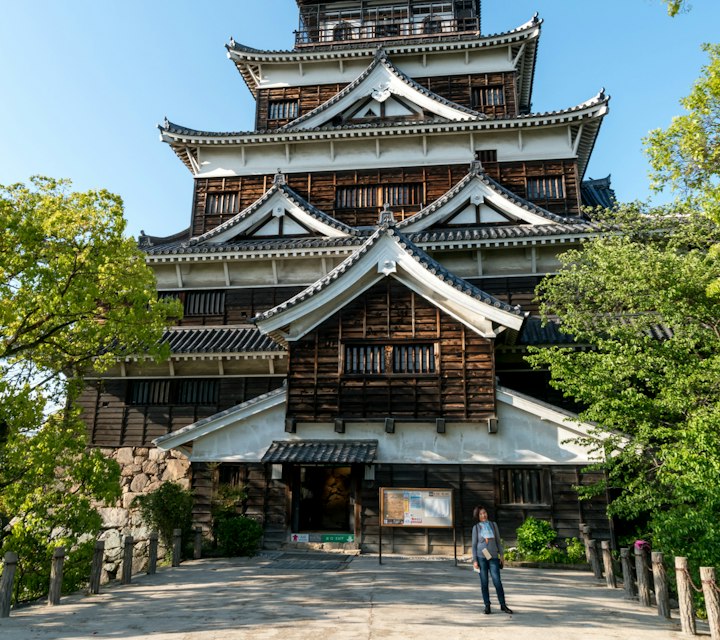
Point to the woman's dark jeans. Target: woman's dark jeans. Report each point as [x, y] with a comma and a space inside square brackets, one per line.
[494, 566]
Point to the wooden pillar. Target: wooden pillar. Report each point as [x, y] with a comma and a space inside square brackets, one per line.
[152, 553]
[627, 572]
[585, 535]
[96, 566]
[608, 564]
[56, 576]
[712, 600]
[685, 598]
[643, 582]
[127, 560]
[6, 583]
[197, 549]
[177, 547]
[662, 595]
[594, 560]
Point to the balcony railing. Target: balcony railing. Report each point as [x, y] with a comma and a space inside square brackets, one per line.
[347, 31]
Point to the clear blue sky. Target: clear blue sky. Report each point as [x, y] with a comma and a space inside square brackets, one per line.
[83, 84]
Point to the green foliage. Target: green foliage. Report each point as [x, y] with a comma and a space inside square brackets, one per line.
[676, 6]
[167, 508]
[238, 536]
[74, 295]
[575, 550]
[640, 300]
[686, 156]
[534, 536]
[227, 500]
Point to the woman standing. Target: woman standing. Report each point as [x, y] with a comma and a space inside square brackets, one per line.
[487, 552]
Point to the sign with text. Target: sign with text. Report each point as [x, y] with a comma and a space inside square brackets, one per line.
[416, 507]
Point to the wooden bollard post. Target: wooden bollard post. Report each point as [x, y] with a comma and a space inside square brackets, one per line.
[127, 560]
[56, 576]
[594, 560]
[96, 566]
[152, 553]
[628, 574]
[643, 582]
[712, 600]
[197, 549]
[662, 595]
[6, 583]
[585, 535]
[685, 599]
[608, 564]
[177, 547]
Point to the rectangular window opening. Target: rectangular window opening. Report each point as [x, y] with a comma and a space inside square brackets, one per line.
[221, 203]
[492, 96]
[173, 392]
[523, 486]
[282, 109]
[373, 196]
[545, 188]
[377, 359]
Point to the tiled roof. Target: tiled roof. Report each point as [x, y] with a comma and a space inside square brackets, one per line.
[382, 59]
[272, 244]
[322, 451]
[535, 333]
[293, 197]
[218, 340]
[502, 232]
[598, 193]
[477, 172]
[418, 254]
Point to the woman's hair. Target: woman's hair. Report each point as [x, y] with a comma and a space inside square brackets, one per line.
[477, 510]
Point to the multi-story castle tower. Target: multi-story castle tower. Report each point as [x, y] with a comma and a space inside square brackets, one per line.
[358, 279]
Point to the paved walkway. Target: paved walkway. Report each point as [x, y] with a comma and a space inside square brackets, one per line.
[321, 596]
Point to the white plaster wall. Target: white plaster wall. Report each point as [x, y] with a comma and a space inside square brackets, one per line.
[522, 438]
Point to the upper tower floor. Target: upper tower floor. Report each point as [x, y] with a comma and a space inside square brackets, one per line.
[361, 21]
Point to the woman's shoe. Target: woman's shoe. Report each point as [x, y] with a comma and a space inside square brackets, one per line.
[506, 609]
[487, 609]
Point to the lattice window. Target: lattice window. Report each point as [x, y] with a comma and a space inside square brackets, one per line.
[224, 202]
[492, 96]
[486, 155]
[545, 188]
[282, 110]
[371, 196]
[173, 392]
[369, 359]
[343, 31]
[523, 486]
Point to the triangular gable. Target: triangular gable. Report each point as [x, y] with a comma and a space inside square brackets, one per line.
[256, 414]
[280, 212]
[382, 92]
[388, 253]
[478, 200]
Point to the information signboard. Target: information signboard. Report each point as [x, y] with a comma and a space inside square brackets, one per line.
[402, 507]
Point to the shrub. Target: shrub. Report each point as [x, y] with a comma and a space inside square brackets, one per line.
[167, 508]
[534, 536]
[575, 550]
[238, 536]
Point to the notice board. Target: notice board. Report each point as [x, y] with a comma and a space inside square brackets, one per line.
[403, 507]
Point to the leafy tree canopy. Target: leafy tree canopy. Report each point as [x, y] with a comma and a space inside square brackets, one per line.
[676, 6]
[75, 294]
[686, 156]
[637, 300]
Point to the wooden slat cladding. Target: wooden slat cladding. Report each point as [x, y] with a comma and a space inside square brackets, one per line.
[462, 89]
[460, 388]
[114, 421]
[306, 98]
[477, 485]
[428, 183]
[229, 307]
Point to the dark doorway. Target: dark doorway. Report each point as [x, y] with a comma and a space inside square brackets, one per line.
[323, 499]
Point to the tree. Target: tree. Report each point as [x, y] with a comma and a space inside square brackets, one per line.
[638, 301]
[676, 6]
[75, 294]
[686, 156]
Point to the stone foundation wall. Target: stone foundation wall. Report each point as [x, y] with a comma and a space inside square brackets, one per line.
[142, 471]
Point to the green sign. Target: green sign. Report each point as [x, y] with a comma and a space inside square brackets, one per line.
[338, 537]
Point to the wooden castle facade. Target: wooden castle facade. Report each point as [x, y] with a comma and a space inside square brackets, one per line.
[357, 280]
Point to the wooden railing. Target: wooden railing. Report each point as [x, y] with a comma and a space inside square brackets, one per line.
[644, 577]
[58, 560]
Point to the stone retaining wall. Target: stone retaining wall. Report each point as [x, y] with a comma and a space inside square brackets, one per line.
[142, 471]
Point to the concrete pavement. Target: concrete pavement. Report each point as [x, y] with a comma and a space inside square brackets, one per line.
[294, 596]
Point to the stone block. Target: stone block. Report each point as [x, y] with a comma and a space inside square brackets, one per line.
[175, 470]
[125, 456]
[114, 518]
[139, 482]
